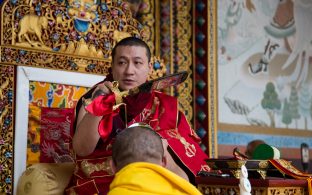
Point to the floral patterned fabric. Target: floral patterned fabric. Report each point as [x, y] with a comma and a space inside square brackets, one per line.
[51, 111]
[55, 135]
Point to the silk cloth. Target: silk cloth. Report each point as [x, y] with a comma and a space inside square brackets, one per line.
[143, 178]
[285, 167]
[93, 175]
[51, 110]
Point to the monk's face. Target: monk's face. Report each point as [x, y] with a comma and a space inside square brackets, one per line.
[130, 66]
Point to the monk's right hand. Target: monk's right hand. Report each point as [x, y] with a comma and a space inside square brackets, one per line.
[102, 89]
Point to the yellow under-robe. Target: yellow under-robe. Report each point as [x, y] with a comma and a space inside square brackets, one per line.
[143, 178]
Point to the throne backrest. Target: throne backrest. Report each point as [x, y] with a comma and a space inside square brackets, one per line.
[74, 37]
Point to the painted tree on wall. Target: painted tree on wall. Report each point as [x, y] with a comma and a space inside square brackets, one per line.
[294, 105]
[270, 102]
[305, 103]
[311, 109]
[286, 117]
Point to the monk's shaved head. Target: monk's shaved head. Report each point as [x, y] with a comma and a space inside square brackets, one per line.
[137, 144]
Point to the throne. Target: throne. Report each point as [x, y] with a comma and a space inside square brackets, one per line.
[51, 53]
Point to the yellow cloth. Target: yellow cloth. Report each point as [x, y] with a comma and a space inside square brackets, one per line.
[146, 179]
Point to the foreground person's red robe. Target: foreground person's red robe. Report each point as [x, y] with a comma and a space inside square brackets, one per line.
[93, 174]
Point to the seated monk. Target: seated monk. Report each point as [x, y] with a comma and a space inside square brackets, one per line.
[98, 122]
[139, 162]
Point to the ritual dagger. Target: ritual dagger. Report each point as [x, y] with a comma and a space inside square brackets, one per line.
[155, 84]
[160, 83]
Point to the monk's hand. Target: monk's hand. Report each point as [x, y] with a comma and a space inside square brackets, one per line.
[102, 89]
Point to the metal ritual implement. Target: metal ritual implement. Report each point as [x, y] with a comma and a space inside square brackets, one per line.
[155, 84]
[160, 83]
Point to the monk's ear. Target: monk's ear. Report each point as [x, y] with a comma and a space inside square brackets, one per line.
[112, 165]
[164, 161]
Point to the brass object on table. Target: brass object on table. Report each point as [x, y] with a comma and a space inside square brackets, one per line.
[257, 168]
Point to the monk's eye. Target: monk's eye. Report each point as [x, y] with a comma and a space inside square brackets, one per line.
[121, 63]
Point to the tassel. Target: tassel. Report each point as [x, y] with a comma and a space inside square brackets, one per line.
[309, 185]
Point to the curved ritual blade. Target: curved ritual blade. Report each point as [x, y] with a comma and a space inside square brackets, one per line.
[161, 83]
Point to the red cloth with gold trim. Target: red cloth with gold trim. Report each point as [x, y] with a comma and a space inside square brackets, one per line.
[285, 167]
[163, 116]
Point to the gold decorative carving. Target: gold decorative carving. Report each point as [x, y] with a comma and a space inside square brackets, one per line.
[263, 164]
[3, 114]
[48, 34]
[147, 17]
[83, 11]
[4, 85]
[234, 190]
[262, 173]
[6, 128]
[159, 69]
[236, 164]
[81, 63]
[218, 190]
[32, 24]
[82, 29]
[53, 60]
[287, 190]
[88, 168]
[184, 54]
[44, 61]
[236, 173]
[120, 35]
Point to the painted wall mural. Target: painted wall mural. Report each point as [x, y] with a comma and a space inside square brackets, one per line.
[264, 64]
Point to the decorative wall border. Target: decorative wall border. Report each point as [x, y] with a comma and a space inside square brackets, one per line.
[147, 18]
[175, 46]
[204, 42]
[7, 75]
[182, 52]
[212, 77]
[12, 55]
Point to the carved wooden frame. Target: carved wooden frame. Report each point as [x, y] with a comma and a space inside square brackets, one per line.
[212, 78]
